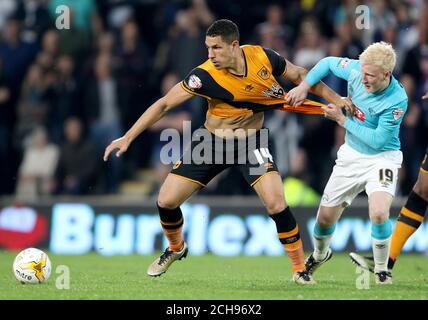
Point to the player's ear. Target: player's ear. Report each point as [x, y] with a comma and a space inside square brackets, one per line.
[235, 44]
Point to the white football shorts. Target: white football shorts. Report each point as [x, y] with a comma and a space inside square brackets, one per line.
[355, 171]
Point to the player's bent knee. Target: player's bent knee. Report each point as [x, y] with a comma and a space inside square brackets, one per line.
[328, 216]
[168, 202]
[273, 207]
[325, 221]
[167, 198]
[378, 217]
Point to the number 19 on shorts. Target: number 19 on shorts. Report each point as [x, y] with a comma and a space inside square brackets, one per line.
[386, 176]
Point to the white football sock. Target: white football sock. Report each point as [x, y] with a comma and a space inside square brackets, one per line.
[381, 253]
[321, 244]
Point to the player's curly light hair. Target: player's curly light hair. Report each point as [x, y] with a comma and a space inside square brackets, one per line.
[380, 54]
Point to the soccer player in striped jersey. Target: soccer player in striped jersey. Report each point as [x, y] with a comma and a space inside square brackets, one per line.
[370, 157]
[239, 83]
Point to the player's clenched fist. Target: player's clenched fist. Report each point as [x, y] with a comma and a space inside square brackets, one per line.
[346, 103]
[297, 95]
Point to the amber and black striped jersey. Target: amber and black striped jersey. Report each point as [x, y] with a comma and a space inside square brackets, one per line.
[257, 90]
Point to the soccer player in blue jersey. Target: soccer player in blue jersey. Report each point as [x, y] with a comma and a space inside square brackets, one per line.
[370, 157]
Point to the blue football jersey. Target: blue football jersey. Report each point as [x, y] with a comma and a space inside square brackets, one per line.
[375, 126]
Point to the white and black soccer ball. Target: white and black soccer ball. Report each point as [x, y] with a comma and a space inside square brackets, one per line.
[32, 265]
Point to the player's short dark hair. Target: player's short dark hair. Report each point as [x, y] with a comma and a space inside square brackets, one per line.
[224, 28]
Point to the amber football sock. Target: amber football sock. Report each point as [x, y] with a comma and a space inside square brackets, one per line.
[172, 226]
[410, 218]
[288, 234]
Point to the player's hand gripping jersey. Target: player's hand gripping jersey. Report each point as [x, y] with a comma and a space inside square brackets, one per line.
[257, 90]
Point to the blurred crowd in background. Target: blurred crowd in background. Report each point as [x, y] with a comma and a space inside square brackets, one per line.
[66, 93]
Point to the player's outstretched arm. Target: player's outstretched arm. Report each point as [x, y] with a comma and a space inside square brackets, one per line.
[425, 96]
[341, 67]
[154, 113]
[297, 95]
[296, 75]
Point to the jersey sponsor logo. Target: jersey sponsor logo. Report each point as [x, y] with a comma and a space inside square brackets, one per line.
[275, 91]
[397, 113]
[344, 63]
[264, 73]
[194, 82]
[359, 114]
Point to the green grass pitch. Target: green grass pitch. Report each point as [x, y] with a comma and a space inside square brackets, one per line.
[208, 277]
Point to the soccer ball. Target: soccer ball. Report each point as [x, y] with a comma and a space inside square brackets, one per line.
[32, 266]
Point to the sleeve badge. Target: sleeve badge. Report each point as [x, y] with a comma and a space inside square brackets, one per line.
[194, 82]
[344, 63]
[397, 113]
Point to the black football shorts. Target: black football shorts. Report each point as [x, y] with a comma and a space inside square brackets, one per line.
[209, 155]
